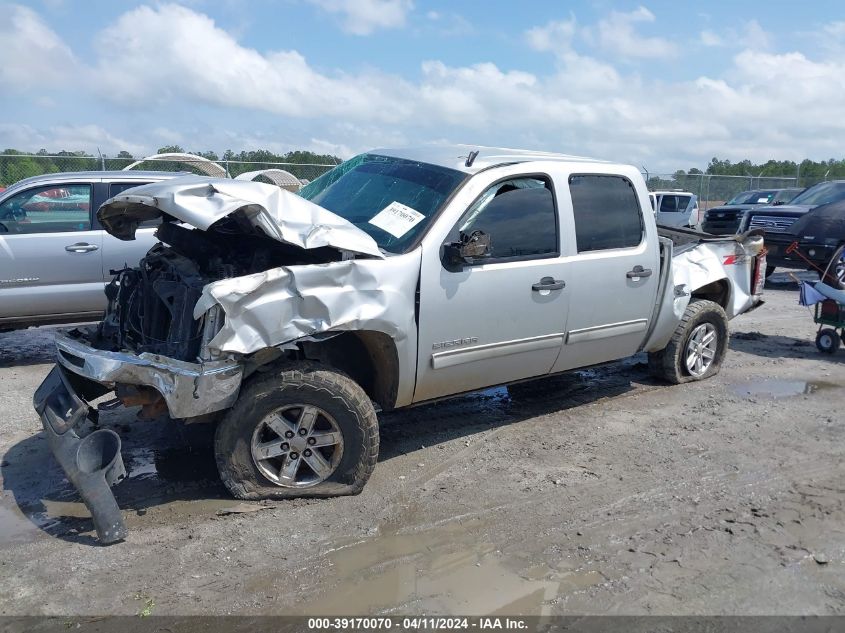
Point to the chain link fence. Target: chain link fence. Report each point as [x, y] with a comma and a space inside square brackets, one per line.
[713, 190]
[15, 167]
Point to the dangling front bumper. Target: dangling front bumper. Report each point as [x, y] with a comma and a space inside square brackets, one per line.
[93, 462]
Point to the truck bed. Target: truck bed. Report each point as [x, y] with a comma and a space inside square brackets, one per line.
[686, 239]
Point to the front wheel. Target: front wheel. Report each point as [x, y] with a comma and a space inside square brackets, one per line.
[697, 346]
[298, 432]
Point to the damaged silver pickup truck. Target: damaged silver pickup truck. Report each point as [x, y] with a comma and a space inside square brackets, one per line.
[399, 277]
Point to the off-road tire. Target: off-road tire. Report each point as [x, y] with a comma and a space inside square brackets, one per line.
[668, 364]
[330, 390]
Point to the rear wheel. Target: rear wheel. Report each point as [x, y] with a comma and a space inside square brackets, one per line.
[827, 340]
[697, 346]
[298, 432]
[770, 271]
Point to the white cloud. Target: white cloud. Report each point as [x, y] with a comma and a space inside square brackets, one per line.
[710, 38]
[832, 37]
[320, 146]
[186, 56]
[554, 37]
[749, 36]
[447, 24]
[72, 137]
[166, 136]
[835, 29]
[363, 17]
[617, 34]
[34, 56]
[92, 136]
[755, 37]
[157, 61]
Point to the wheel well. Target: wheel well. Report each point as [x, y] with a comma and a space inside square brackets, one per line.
[716, 291]
[368, 357]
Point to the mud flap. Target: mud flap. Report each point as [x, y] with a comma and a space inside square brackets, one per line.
[93, 463]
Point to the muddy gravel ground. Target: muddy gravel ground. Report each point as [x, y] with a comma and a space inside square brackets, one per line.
[598, 492]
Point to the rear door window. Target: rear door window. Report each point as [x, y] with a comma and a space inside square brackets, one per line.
[607, 212]
[49, 209]
[119, 187]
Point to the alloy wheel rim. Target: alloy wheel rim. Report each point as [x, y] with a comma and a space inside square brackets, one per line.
[701, 349]
[297, 446]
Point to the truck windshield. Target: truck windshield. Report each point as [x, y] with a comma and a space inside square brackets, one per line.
[822, 193]
[391, 199]
[742, 197]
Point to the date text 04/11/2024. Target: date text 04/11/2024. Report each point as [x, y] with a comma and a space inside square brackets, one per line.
[422, 623]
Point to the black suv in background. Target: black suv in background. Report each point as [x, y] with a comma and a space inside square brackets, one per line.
[728, 218]
[777, 223]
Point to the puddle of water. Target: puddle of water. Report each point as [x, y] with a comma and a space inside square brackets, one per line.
[15, 528]
[777, 388]
[445, 569]
[170, 465]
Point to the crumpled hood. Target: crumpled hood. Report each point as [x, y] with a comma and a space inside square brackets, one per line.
[200, 202]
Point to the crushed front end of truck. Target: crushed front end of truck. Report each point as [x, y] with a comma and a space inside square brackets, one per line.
[180, 334]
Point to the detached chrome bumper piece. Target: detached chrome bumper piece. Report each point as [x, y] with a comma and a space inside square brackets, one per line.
[93, 463]
[189, 389]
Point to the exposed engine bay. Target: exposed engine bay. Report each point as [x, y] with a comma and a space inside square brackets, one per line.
[150, 308]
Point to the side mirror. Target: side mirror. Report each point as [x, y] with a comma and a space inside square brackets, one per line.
[471, 247]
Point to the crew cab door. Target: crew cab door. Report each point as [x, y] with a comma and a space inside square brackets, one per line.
[614, 269]
[51, 253]
[500, 317]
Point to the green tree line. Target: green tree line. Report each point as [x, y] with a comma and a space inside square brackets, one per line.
[745, 174]
[16, 164]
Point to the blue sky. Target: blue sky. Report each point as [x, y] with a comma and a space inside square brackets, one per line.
[663, 84]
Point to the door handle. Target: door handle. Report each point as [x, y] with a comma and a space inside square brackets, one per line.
[548, 283]
[81, 247]
[638, 271]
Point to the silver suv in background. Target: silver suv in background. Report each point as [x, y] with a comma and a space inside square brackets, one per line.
[55, 256]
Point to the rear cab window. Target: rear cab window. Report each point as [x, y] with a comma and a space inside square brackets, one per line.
[607, 212]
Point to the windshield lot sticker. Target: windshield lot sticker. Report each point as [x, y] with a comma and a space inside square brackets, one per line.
[397, 219]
